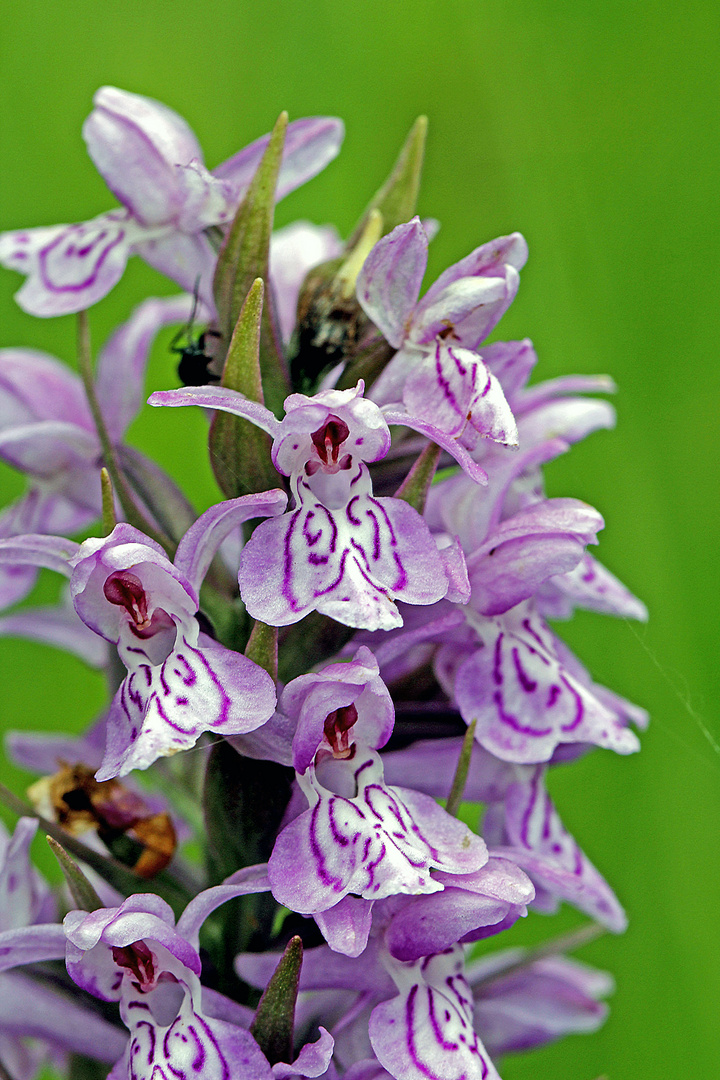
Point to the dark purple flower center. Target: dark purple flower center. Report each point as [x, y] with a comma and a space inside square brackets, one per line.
[139, 961]
[337, 730]
[327, 440]
[126, 590]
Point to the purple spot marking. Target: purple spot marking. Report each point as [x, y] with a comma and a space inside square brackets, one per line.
[514, 723]
[579, 707]
[528, 684]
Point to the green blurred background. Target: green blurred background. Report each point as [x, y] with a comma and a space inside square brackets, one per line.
[592, 128]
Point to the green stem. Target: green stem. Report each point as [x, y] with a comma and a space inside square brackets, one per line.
[132, 511]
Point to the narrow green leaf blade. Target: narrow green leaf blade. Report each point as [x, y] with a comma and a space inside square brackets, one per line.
[397, 198]
[244, 256]
[82, 891]
[274, 1021]
[240, 451]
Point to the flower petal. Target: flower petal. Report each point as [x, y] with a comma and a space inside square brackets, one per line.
[310, 145]
[135, 144]
[389, 282]
[69, 267]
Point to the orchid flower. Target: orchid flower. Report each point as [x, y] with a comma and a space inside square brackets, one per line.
[438, 376]
[340, 550]
[152, 162]
[179, 682]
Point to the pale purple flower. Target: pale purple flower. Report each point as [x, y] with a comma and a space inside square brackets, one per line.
[47, 431]
[438, 375]
[152, 162]
[340, 550]
[179, 682]
[360, 841]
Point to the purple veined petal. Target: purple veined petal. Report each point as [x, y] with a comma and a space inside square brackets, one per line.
[209, 900]
[17, 580]
[310, 145]
[351, 564]
[159, 710]
[488, 260]
[122, 361]
[294, 251]
[346, 926]
[389, 282]
[541, 845]
[31, 944]
[50, 552]
[589, 585]
[36, 386]
[135, 144]
[69, 267]
[217, 397]
[31, 1008]
[200, 543]
[426, 1032]
[187, 260]
[453, 390]
[375, 843]
[394, 415]
[313, 1059]
[193, 1044]
[271, 742]
[524, 700]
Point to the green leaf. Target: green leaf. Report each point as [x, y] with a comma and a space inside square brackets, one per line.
[397, 198]
[82, 891]
[262, 648]
[274, 1021]
[414, 488]
[461, 773]
[244, 256]
[240, 451]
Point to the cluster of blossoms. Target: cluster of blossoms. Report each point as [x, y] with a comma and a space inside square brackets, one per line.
[347, 638]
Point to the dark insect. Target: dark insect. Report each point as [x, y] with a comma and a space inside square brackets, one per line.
[194, 364]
